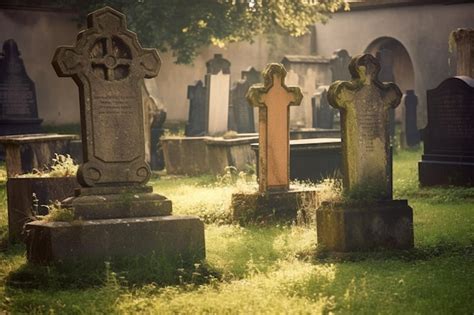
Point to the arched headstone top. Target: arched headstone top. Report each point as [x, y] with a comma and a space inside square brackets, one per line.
[10, 49]
[218, 64]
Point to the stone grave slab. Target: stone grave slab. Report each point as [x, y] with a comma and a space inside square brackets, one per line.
[448, 157]
[18, 107]
[218, 95]
[243, 112]
[367, 218]
[196, 125]
[410, 135]
[464, 38]
[108, 64]
[339, 64]
[273, 98]
[323, 113]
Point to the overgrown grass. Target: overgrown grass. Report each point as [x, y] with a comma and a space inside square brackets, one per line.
[272, 269]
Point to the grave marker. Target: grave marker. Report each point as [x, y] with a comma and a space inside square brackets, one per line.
[464, 39]
[18, 108]
[243, 112]
[119, 215]
[196, 125]
[323, 113]
[218, 93]
[274, 98]
[274, 198]
[368, 218]
[410, 133]
[338, 64]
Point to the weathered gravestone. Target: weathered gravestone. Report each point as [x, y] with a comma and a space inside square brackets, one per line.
[18, 108]
[243, 112]
[274, 199]
[448, 138]
[410, 135]
[369, 218]
[339, 63]
[323, 113]
[385, 57]
[217, 95]
[116, 213]
[464, 39]
[196, 125]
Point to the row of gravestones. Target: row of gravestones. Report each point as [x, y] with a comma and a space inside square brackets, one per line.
[209, 100]
[117, 214]
[120, 215]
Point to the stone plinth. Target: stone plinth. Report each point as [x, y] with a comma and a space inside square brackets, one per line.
[170, 237]
[21, 202]
[365, 226]
[313, 159]
[272, 206]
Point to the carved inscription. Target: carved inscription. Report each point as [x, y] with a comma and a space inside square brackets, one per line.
[17, 100]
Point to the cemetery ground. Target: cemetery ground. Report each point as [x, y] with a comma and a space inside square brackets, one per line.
[272, 268]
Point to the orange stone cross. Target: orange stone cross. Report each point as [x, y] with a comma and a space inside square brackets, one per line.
[274, 99]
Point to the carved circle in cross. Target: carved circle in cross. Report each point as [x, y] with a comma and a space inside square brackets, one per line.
[110, 58]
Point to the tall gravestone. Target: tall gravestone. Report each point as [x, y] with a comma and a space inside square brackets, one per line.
[385, 58]
[18, 108]
[369, 218]
[448, 138]
[196, 125]
[243, 112]
[217, 95]
[338, 64]
[323, 113]
[410, 135]
[273, 99]
[464, 39]
[117, 213]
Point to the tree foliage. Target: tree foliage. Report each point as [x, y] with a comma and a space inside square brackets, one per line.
[184, 26]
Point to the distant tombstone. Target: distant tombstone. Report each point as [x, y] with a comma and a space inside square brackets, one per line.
[448, 138]
[385, 58]
[273, 98]
[339, 63]
[411, 134]
[464, 39]
[157, 161]
[308, 72]
[368, 218]
[120, 215]
[18, 108]
[196, 125]
[323, 113]
[218, 93]
[364, 103]
[243, 112]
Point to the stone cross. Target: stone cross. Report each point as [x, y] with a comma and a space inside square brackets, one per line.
[108, 64]
[274, 99]
[464, 39]
[364, 103]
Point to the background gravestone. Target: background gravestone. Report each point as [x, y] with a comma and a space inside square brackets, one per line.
[448, 138]
[339, 63]
[196, 125]
[217, 95]
[464, 39]
[410, 135]
[243, 112]
[323, 113]
[18, 108]
[385, 57]
[117, 213]
[369, 218]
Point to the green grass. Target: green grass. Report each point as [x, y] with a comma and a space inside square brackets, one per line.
[268, 270]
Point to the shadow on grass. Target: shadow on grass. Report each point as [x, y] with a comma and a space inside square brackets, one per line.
[126, 272]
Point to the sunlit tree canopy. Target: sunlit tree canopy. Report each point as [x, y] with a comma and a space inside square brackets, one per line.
[184, 26]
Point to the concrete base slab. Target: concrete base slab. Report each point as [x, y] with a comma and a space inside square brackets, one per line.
[173, 237]
[344, 227]
[270, 206]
